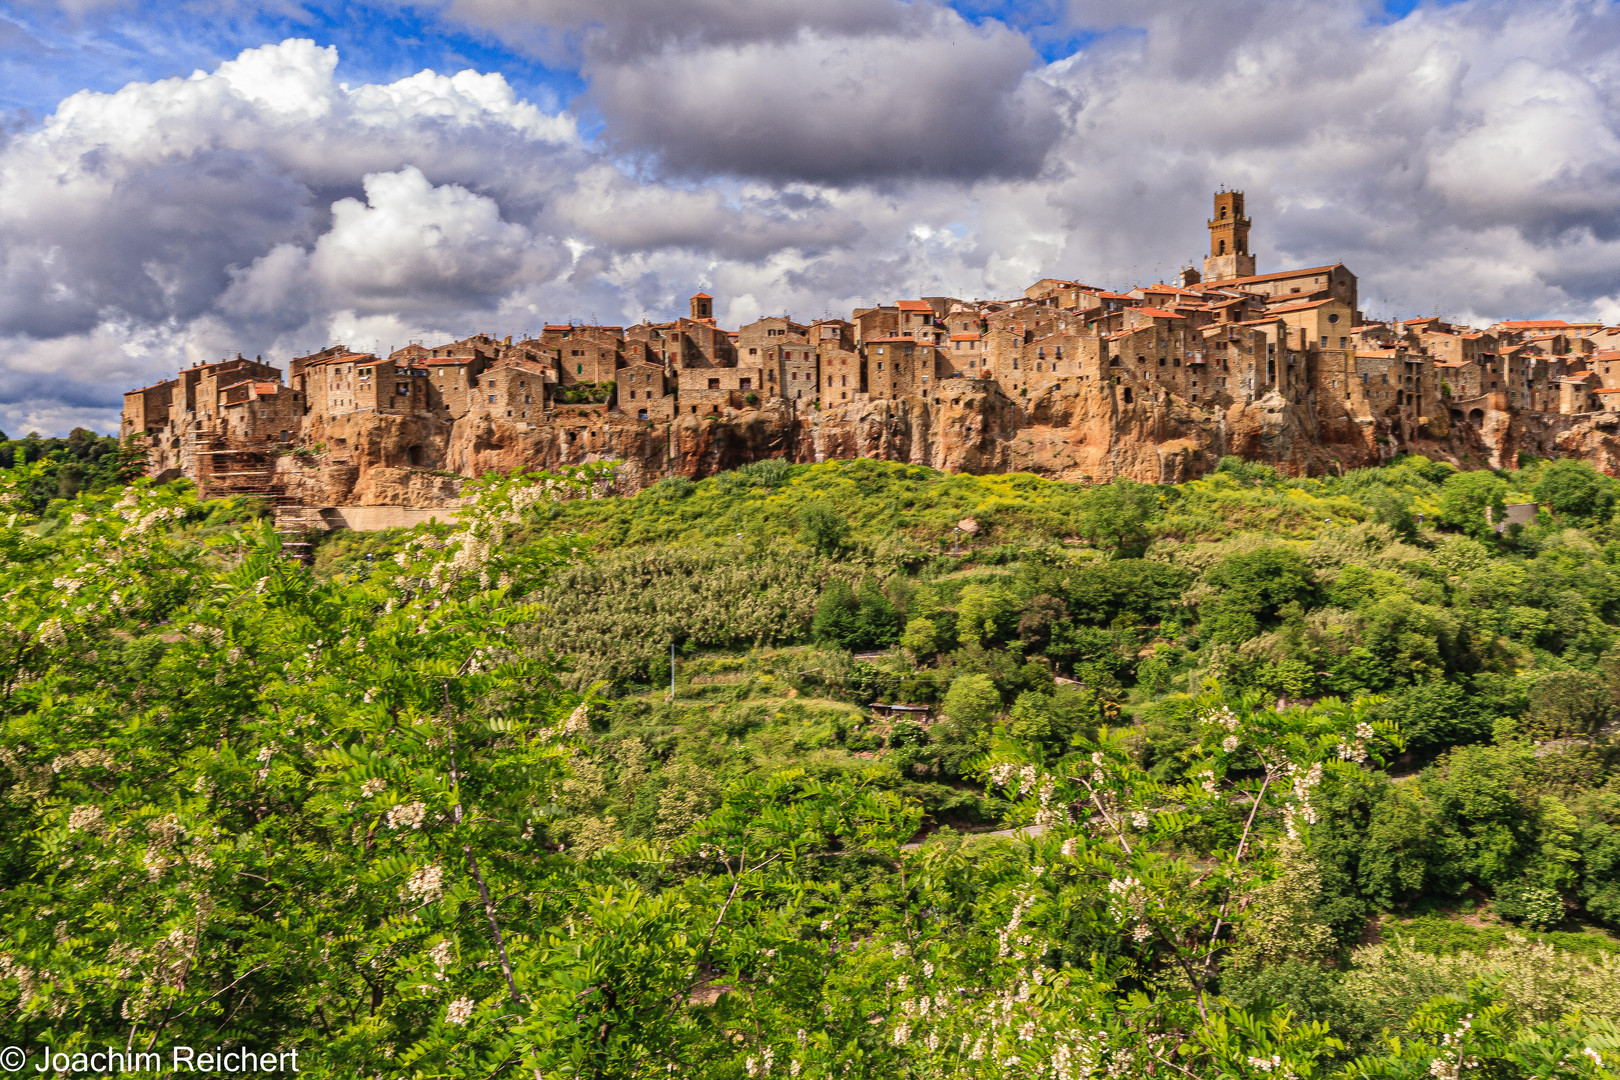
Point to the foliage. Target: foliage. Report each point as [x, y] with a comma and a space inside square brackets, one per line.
[441, 807]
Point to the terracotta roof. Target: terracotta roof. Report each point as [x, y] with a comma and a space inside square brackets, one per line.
[1161, 288]
[1526, 324]
[266, 388]
[908, 341]
[1116, 296]
[914, 305]
[444, 361]
[1607, 390]
[1276, 276]
[702, 296]
[1159, 313]
[1302, 306]
[965, 337]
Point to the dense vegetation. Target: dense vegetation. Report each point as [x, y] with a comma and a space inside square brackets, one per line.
[84, 461]
[961, 776]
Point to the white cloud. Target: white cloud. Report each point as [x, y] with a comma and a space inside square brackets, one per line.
[804, 158]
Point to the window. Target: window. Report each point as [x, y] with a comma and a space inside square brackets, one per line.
[880, 365]
[492, 399]
[1333, 318]
[745, 384]
[632, 395]
[579, 369]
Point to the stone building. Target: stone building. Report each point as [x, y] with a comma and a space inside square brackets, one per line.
[645, 391]
[1228, 338]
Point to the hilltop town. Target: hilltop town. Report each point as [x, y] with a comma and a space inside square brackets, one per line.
[1068, 380]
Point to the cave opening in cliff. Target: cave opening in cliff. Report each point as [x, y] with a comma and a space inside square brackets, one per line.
[414, 455]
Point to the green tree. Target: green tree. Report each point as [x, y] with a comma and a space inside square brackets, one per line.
[920, 639]
[823, 528]
[972, 701]
[1116, 516]
[979, 612]
[877, 623]
[1574, 489]
[837, 615]
[1253, 587]
[1465, 498]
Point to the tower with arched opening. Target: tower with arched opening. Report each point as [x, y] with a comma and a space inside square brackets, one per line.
[1229, 255]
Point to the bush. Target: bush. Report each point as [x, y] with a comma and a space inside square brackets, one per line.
[1535, 906]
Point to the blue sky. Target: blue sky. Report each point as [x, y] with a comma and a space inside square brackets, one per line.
[47, 53]
[609, 157]
[50, 53]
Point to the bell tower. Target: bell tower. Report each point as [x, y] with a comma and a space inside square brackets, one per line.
[702, 306]
[1229, 256]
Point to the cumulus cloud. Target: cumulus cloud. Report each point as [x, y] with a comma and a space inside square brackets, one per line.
[949, 100]
[806, 159]
[621, 29]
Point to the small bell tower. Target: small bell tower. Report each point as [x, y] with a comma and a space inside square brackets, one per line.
[703, 307]
[1229, 255]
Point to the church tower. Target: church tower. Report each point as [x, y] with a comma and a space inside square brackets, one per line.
[1229, 256]
[702, 307]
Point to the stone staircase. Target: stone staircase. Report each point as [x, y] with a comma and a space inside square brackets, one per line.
[223, 470]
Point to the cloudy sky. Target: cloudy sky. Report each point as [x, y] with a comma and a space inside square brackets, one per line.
[184, 179]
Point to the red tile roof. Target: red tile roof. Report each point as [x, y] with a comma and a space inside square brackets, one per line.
[914, 305]
[964, 337]
[1526, 324]
[1159, 313]
[1303, 306]
[1274, 277]
[702, 296]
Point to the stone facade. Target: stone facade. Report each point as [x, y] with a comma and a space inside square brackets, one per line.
[1280, 366]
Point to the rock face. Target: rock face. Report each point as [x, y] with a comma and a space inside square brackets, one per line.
[1081, 434]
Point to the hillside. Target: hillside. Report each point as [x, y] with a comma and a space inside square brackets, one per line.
[954, 775]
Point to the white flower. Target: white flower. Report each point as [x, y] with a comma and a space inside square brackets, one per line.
[427, 883]
[459, 1012]
[1230, 744]
[1140, 819]
[375, 786]
[441, 954]
[406, 814]
[901, 1034]
[1070, 847]
[84, 818]
[577, 721]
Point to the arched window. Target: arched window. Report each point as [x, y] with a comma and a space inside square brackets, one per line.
[1222, 246]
